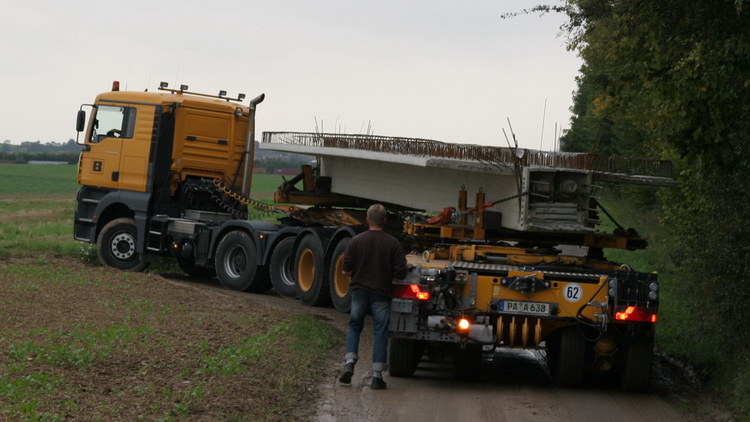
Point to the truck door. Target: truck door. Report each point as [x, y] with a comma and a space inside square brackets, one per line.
[117, 150]
[136, 149]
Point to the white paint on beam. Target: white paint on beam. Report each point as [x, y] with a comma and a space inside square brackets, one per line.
[424, 183]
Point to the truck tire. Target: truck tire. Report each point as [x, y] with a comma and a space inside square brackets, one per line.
[404, 356]
[467, 363]
[280, 267]
[237, 263]
[116, 245]
[312, 286]
[566, 358]
[339, 283]
[189, 267]
[636, 377]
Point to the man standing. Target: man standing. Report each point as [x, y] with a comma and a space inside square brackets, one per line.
[373, 259]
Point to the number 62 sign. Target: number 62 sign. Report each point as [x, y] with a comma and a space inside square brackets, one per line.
[573, 292]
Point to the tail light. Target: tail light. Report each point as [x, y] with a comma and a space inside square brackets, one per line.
[635, 314]
[411, 291]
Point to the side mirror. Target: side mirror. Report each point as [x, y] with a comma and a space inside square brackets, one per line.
[81, 121]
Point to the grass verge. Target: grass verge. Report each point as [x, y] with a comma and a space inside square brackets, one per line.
[80, 341]
[686, 330]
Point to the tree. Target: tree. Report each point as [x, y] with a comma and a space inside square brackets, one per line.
[671, 79]
[663, 76]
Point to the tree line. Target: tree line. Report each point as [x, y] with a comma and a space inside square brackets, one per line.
[70, 151]
[670, 79]
[52, 151]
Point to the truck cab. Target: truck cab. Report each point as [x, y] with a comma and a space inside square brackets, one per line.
[147, 154]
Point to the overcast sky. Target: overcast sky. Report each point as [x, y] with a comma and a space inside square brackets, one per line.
[445, 70]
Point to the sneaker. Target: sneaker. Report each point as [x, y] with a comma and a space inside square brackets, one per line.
[378, 384]
[346, 373]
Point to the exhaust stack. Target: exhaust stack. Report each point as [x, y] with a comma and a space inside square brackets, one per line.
[250, 147]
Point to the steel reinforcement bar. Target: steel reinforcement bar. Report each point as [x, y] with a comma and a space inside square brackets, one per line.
[517, 156]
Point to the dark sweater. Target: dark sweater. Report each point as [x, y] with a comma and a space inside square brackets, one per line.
[375, 259]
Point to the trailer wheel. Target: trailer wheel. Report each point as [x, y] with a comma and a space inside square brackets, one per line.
[404, 356]
[237, 263]
[312, 287]
[566, 358]
[282, 273]
[467, 362]
[116, 245]
[339, 283]
[636, 376]
[189, 267]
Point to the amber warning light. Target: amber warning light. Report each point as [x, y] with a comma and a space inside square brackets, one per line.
[115, 86]
[463, 326]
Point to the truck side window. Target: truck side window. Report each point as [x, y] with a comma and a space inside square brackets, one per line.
[113, 122]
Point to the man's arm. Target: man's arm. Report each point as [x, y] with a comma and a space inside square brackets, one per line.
[399, 263]
[347, 262]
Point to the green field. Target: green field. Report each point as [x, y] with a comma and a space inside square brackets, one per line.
[38, 179]
[61, 179]
[37, 203]
[83, 342]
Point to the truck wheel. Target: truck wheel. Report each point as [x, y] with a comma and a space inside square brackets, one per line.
[404, 356]
[637, 374]
[339, 283]
[467, 362]
[312, 288]
[237, 263]
[189, 267]
[567, 358]
[116, 245]
[282, 274]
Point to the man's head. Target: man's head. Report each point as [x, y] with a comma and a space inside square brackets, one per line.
[376, 216]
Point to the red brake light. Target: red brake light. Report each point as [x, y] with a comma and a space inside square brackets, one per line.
[419, 293]
[410, 291]
[635, 313]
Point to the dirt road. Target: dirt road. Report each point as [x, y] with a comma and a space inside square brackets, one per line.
[515, 387]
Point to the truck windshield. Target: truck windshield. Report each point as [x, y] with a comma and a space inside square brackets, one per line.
[113, 122]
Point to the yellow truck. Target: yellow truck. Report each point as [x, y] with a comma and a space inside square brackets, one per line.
[168, 173]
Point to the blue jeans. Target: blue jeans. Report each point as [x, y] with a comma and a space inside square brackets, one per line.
[379, 306]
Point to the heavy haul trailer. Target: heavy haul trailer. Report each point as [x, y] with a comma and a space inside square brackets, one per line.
[525, 270]
[469, 301]
[168, 174]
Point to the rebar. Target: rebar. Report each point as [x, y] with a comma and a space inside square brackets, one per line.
[480, 153]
